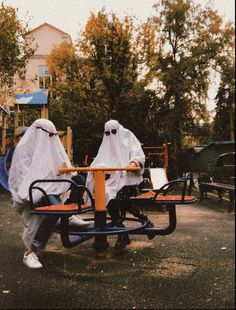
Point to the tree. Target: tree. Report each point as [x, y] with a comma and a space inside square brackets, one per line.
[221, 130]
[75, 101]
[224, 121]
[189, 40]
[71, 76]
[97, 81]
[15, 50]
[106, 76]
[109, 46]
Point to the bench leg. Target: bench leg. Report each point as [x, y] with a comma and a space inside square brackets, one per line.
[231, 201]
[220, 194]
[201, 194]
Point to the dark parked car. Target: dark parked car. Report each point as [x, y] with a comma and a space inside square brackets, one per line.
[224, 169]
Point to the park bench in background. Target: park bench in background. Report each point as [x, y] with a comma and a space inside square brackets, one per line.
[221, 178]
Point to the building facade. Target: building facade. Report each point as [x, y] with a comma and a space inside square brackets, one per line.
[36, 76]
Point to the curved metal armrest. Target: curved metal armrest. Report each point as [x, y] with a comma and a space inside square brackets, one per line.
[163, 189]
[187, 183]
[71, 182]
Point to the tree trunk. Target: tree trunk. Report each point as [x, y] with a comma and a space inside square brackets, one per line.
[231, 125]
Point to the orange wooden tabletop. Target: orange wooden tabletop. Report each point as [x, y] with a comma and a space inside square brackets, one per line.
[70, 169]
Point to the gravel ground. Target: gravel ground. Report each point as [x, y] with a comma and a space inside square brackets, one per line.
[192, 268]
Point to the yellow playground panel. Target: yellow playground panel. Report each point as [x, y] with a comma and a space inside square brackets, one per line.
[36, 99]
[66, 139]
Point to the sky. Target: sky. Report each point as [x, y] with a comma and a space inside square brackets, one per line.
[71, 16]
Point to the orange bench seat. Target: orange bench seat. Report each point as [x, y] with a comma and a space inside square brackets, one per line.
[166, 199]
[62, 208]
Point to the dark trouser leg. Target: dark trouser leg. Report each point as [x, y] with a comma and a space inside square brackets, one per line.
[45, 229]
[76, 195]
[114, 210]
[135, 211]
[117, 208]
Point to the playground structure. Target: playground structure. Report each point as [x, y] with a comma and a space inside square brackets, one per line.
[3, 170]
[72, 236]
[156, 166]
[10, 137]
[157, 156]
[157, 177]
[36, 100]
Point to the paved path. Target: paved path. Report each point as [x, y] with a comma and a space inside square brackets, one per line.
[193, 268]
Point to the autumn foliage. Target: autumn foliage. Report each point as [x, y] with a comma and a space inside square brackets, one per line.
[153, 77]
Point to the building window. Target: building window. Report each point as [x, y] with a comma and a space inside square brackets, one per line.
[22, 74]
[45, 81]
[43, 70]
[44, 78]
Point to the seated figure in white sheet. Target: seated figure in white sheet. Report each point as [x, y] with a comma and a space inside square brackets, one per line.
[38, 155]
[119, 148]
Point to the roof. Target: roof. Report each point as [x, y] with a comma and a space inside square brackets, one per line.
[47, 24]
[39, 97]
[212, 144]
[223, 142]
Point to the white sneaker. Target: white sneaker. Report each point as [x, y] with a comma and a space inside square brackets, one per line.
[31, 261]
[76, 221]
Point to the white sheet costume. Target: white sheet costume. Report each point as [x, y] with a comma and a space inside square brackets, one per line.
[38, 155]
[117, 150]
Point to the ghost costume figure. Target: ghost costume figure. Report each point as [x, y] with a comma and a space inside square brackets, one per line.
[119, 148]
[38, 155]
